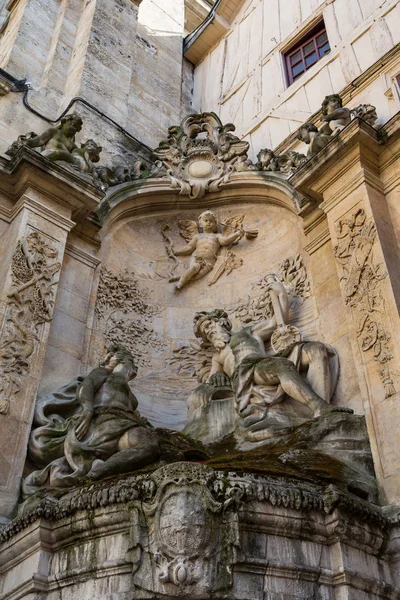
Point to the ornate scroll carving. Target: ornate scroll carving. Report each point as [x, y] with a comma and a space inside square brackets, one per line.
[193, 534]
[361, 278]
[200, 154]
[367, 112]
[123, 308]
[30, 305]
[287, 162]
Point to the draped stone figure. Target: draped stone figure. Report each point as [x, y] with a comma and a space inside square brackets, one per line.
[90, 427]
[259, 381]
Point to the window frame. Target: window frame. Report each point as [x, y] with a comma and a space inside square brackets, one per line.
[309, 36]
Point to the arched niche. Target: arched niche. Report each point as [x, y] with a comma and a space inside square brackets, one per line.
[134, 254]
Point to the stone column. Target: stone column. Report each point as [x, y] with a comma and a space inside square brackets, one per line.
[345, 175]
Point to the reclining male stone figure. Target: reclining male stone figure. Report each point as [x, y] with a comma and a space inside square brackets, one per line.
[259, 381]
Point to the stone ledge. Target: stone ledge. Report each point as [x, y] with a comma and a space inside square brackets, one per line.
[290, 494]
[284, 532]
[29, 169]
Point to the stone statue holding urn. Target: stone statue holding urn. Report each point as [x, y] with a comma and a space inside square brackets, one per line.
[303, 371]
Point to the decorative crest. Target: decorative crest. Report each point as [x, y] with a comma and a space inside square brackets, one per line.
[201, 153]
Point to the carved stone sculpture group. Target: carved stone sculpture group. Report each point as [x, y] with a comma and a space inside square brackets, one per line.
[58, 144]
[335, 117]
[91, 428]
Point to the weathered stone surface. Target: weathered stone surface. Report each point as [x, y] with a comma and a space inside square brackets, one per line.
[186, 529]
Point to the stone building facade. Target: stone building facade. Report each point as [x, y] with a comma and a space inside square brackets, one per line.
[199, 322]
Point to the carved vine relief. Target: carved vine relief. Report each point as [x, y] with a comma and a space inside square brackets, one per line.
[292, 273]
[193, 359]
[362, 277]
[30, 305]
[124, 311]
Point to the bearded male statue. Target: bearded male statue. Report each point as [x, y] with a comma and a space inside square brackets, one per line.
[259, 381]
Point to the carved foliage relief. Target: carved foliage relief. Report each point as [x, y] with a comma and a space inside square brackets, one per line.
[361, 278]
[30, 305]
[125, 314]
[292, 273]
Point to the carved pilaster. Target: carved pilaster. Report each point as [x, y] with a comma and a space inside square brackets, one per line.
[42, 203]
[362, 277]
[33, 249]
[346, 181]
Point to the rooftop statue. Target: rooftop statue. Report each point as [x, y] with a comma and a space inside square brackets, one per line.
[55, 143]
[84, 157]
[309, 134]
[334, 115]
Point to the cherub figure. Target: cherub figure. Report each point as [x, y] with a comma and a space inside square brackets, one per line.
[335, 116]
[85, 156]
[56, 143]
[309, 134]
[204, 244]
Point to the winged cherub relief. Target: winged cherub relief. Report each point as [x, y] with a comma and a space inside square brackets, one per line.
[205, 242]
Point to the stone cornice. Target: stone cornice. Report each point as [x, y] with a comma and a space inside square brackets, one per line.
[156, 196]
[358, 142]
[82, 256]
[318, 241]
[43, 211]
[295, 495]
[29, 169]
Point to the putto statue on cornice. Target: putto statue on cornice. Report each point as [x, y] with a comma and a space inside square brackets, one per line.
[200, 154]
[58, 144]
[335, 117]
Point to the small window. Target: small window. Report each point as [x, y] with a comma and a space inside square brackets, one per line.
[306, 52]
